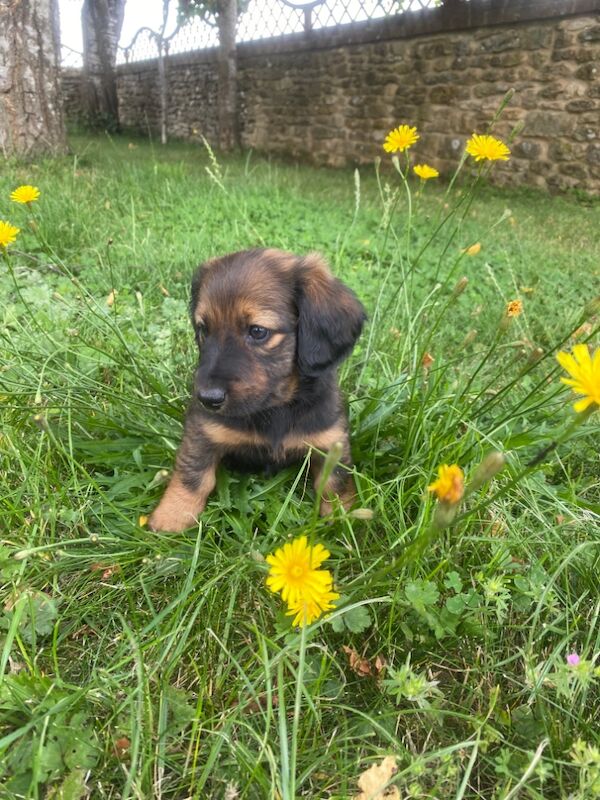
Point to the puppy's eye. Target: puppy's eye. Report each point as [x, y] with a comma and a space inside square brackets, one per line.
[258, 333]
[201, 330]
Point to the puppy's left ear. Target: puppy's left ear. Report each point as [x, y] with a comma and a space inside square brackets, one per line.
[330, 318]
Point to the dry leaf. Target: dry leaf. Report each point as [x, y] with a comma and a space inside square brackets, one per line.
[583, 330]
[380, 665]
[373, 781]
[122, 746]
[358, 664]
[427, 360]
[110, 300]
[107, 571]
[164, 291]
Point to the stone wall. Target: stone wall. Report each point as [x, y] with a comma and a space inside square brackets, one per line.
[331, 98]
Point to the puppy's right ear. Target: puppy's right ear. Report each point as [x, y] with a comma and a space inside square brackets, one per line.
[197, 280]
[330, 318]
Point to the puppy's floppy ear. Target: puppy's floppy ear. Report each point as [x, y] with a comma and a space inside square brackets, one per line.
[197, 281]
[330, 318]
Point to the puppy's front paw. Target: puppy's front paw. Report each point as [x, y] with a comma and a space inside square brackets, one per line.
[342, 492]
[180, 507]
[173, 520]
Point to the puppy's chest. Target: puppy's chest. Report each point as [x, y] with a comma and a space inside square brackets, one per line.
[273, 448]
[256, 449]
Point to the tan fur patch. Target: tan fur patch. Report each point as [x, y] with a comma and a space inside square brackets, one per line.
[179, 508]
[322, 440]
[318, 281]
[274, 341]
[224, 436]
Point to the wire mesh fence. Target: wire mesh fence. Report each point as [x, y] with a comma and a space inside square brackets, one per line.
[262, 19]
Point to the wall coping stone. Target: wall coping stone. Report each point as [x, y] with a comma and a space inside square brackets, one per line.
[454, 15]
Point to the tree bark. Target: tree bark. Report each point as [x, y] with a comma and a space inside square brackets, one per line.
[227, 101]
[101, 22]
[31, 115]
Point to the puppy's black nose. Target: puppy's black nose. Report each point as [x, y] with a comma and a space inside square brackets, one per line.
[212, 398]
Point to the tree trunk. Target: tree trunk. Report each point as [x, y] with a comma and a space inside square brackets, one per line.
[31, 116]
[101, 22]
[227, 20]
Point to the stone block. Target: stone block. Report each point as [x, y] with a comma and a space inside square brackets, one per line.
[548, 124]
[593, 155]
[577, 106]
[590, 34]
[527, 149]
[498, 42]
[588, 72]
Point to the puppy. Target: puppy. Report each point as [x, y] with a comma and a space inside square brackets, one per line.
[271, 328]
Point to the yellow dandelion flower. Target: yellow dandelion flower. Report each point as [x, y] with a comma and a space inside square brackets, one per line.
[450, 485]
[473, 249]
[307, 611]
[487, 148]
[8, 233]
[584, 370]
[25, 194]
[294, 572]
[514, 308]
[400, 139]
[425, 172]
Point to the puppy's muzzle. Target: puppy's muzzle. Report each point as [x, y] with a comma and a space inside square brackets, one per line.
[212, 398]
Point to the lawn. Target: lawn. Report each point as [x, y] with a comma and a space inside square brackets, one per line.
[466, 643]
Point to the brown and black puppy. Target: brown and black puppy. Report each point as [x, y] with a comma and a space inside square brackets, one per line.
[271, 328]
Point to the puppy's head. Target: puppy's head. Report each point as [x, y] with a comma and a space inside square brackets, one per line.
[265, 320]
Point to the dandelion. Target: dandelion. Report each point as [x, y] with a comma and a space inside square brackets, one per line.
[487, 148]
[573, 660]
[400, 139]
[25, 194]
[514, 308]
[585, 375]
[425, 172]
[8, 233]
[307, 611]
[294, 572]
[473, 249]
[450, 485]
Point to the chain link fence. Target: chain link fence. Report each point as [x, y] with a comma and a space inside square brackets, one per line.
[263, 19]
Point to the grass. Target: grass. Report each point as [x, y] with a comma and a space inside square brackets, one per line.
[147, 665]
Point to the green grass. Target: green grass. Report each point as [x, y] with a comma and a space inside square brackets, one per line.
[150, 665]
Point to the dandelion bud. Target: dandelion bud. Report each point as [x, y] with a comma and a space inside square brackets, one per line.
[469, 338]
[513, 309]
[460, 286]
[517, 129]
[490, 466]
[444, 515]
[592, 307]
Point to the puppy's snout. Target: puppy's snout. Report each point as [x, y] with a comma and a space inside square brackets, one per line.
[212, 398]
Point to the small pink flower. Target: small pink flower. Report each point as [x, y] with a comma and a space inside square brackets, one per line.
[573, 659]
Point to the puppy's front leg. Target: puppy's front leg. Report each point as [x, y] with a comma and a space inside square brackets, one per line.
[339, 484]
[192, 482]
